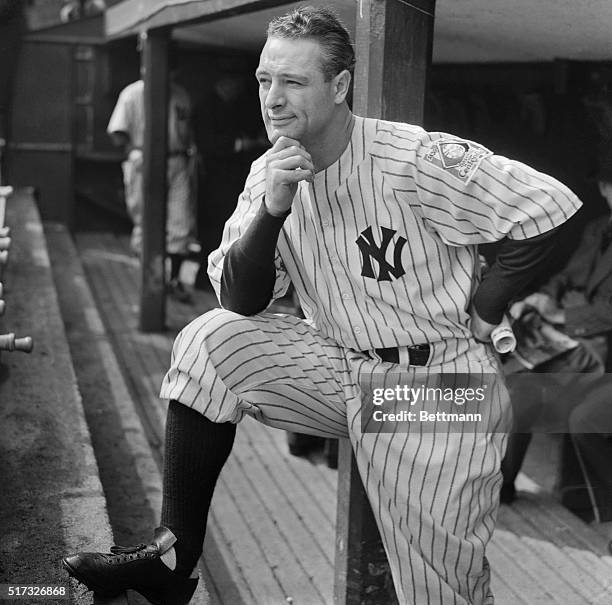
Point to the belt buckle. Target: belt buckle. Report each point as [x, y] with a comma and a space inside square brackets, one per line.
[418, 355]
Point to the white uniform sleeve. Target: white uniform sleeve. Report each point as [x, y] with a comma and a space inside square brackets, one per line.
[120, 120]
[249, 203]
[468, 195]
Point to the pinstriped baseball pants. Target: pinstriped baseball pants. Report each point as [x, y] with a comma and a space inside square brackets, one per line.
[434, 494]
[180, 220]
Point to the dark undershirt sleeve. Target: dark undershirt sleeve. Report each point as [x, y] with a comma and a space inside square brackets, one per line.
[249, 274]
[518, 262]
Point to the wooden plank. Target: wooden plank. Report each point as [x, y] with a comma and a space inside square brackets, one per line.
[152, 293]
[504, 585]
[117, 301]
[573, 538]
[247, 553]
[151, 351]
[359, 548]
[532, 575]
[223, 583]
[269, 514]
[297, 476]
[314, 559]
[574, 583]
[393, 43]
[129, 17]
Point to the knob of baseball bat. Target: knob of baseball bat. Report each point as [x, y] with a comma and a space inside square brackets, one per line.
[503, 338]
[5, 231]
[5, 243]
[8, 342]
[5, 190]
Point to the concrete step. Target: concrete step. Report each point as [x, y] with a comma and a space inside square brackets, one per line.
[129, 470]
[53, 502]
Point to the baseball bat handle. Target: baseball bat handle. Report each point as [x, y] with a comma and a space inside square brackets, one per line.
[8, 342]
[503, 338]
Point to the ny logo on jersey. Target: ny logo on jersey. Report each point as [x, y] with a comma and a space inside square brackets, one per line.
[370, 250]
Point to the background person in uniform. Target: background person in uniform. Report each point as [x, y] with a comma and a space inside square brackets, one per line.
[320, 209]
[577, 300]
[126, 128]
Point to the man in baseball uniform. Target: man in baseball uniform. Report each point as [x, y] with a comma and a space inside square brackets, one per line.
[376, 224]
[126, 129]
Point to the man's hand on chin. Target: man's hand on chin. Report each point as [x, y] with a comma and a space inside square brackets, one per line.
[287, 163]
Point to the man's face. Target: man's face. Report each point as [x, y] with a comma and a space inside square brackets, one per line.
[295, 99]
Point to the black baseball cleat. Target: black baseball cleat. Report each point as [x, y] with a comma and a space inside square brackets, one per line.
[138, 568]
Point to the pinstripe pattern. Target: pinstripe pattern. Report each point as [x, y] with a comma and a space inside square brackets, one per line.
[434, 493]
[383, 180]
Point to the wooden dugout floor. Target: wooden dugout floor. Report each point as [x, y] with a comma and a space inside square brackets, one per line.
[271, 532]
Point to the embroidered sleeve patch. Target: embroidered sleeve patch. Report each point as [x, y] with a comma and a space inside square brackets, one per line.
[457, 157]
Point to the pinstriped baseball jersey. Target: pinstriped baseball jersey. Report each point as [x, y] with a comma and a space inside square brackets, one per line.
[381, 248]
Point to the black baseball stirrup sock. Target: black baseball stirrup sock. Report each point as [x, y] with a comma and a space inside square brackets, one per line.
[196, 450]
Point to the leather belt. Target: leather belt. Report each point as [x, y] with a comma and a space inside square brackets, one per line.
[417, 354]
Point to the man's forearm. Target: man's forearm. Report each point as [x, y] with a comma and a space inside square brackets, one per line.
[247, 281]
[517, 264]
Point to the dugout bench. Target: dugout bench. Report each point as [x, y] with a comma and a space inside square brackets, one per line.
[56, 501]
[8, 341]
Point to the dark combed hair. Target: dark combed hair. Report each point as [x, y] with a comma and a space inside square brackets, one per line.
[324, 26]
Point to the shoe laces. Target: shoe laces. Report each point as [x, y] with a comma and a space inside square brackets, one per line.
[127, 553]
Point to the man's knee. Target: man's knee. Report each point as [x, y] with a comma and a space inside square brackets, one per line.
[203, 363]
[209, 347]
[211, 330]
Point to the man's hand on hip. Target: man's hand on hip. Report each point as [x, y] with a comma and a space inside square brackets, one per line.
[287, 164]
[480, 328]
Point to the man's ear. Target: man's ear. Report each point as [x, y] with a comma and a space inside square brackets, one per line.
[342, 83]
